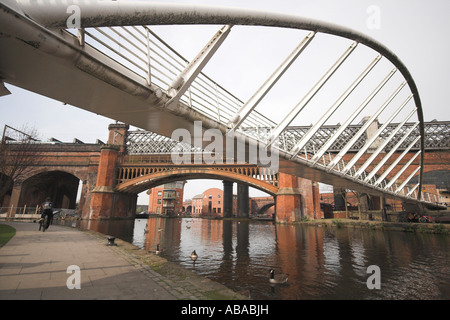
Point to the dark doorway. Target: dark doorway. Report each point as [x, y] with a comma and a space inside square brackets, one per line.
[61, 187]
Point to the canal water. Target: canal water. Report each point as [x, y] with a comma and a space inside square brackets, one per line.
[322, 263]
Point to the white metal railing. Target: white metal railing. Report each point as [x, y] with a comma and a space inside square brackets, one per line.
[145, 53]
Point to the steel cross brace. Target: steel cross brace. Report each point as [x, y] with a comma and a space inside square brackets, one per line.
[380, 148]
[311, 132]
[400, 172]
[184, 80]
[394, 164]
[407, 180]
[412, 190]
[363, 129]
[308, 97]
[394, 149]
[251, 104]
[363, 149]
[342, 128]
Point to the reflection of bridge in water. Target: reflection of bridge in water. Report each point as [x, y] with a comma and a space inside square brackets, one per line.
[140, 80]
[237, 253]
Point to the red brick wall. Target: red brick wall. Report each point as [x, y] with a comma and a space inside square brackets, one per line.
[257, 203]
[212, 202]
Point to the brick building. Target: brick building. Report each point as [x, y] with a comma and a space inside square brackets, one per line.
[167, 199]
[210, 203]
[187, 206]
[197, 204]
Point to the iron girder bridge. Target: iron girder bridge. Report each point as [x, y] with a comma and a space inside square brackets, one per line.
[437, 137]
[105, 57]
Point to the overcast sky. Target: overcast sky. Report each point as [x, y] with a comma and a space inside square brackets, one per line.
[415, 30]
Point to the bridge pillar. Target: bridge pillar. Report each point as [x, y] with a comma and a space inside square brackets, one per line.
[227, 199]
[288, 199]
[242, 201]
[102, 194]
[105, 202]
[310, 198]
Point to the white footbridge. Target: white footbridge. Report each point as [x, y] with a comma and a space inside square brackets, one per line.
[357, 100]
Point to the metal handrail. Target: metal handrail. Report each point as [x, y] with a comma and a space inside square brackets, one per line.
[205, 95]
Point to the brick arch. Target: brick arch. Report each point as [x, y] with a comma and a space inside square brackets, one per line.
[265, 207]
[61, 186]
[80, 174]
[146, 182]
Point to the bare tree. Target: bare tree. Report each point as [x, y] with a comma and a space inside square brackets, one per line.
[18, 155]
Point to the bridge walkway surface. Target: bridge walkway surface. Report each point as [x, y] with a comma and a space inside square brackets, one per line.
[34, 266]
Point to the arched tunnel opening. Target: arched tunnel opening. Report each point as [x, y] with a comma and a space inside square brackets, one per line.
[61, 187]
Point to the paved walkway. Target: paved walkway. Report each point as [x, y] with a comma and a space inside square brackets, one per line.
[33, 265]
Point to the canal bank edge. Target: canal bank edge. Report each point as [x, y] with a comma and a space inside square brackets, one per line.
[434, 228]
[184, 284]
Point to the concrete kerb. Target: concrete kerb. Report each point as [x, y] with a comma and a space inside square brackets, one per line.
[29, 271]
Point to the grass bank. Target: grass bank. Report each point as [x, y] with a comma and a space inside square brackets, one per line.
[6, 233]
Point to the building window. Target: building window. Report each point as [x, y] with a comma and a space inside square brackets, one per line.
[159, 201]
[159, 193]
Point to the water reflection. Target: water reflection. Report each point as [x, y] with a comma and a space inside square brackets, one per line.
[323, 263]
[122, 229]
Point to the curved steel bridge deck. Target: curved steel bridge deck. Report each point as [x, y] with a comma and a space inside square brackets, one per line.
[112, 63]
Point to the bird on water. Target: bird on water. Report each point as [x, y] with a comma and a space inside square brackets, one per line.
[194, 256]
[277, 278]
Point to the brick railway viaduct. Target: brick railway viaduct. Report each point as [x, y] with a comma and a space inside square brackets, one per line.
[112, 178]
